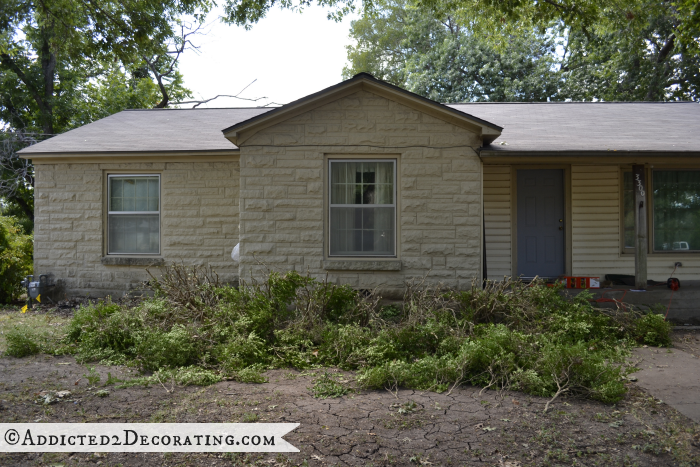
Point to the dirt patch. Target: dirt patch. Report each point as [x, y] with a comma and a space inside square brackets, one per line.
[687, 340]
[361, 428]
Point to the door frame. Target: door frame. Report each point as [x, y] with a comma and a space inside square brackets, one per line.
[566, 168]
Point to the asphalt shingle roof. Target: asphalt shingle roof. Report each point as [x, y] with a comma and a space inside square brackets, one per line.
[592, 126]
[150, 130]
[541, 127]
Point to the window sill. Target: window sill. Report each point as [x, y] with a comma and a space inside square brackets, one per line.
[131, 261]
[361, 265]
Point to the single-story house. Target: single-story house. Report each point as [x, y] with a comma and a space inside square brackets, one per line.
[370, 185]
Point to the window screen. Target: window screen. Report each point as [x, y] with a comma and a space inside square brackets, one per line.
[362, 208]
[133, 219]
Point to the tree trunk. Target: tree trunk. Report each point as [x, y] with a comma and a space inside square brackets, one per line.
[48, 67]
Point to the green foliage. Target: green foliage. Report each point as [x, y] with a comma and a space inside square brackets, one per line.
[21, 342]
[479, 50]
[509, 335]
[439, 58]
[653, 329]
[158, 349]
[326, 386]
[15, 258]
[251, 374]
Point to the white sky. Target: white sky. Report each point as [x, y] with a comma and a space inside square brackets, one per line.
[290, 54]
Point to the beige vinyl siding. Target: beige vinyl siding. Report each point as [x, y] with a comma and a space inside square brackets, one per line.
[596, 230]
[595, 220]
[497, 220]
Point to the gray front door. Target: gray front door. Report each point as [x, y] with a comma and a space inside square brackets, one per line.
[540, 223]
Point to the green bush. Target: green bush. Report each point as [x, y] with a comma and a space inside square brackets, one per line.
[105, 332]
[653, 329]
[21, 342]
[156, 349]
[15, 258]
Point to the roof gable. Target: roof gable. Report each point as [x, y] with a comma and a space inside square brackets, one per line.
[242, 131]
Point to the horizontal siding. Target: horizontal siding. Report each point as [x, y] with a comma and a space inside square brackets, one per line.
[497, 221]
[595, 208]
[595, 222]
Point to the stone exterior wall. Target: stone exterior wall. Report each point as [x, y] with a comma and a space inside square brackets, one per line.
[283, 202]
[199, 222]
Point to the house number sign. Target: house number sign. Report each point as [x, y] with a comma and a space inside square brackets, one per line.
[640, 184]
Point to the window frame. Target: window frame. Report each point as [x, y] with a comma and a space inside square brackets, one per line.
[651, 231]
[649, 178]
[110, 212]
[394, 162]
[623, 171]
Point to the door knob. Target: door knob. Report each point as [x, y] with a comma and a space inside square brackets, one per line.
[561, 228]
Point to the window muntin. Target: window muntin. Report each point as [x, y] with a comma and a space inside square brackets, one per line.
[676, 210]
[133, 214]
[362, 207]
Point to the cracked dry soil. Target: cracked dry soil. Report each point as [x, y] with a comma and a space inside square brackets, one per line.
[361, 428]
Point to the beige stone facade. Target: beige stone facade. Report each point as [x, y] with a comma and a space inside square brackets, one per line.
[198, 222]
[284, 201]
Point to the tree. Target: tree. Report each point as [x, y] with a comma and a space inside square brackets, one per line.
[448, 58]
[439, 58]
[634, 64]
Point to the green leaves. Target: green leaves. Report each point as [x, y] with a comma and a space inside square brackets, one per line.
[478, 50]
[16, 259]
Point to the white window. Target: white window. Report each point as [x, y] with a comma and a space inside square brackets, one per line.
[362, 207]
[133, 219]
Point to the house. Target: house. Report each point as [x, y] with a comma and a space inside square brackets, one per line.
[371, 185]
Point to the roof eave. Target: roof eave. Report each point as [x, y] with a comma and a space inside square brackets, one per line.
[56, 156]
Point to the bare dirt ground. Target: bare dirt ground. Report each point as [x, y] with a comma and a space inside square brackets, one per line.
[376, 428]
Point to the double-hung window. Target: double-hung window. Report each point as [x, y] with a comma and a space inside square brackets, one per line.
[133, 219]
[675, 219]
[362, 207]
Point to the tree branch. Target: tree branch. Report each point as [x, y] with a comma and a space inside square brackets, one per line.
[6, 60]
[666, 49]
[236, 96]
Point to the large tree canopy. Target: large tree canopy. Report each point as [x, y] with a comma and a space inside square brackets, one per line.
[445, 57]
[441, 59]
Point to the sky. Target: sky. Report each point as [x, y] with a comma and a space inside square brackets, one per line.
[290, 54]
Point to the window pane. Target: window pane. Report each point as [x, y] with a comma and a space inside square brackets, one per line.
[134, 233]
[130, 193]
[628, 209]
[676, 210]
[362, 182]
[361, 231]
